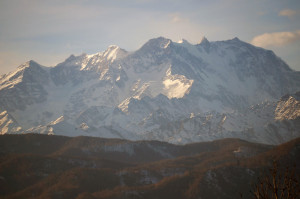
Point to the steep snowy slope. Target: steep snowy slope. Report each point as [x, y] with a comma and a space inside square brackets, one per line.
[176, 92]
[8, 124]
[23, 87]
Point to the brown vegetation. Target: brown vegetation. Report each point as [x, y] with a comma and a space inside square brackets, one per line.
[40, 166]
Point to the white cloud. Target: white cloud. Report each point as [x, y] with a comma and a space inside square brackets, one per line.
[276, 38]
[176, 18]
[288, 13]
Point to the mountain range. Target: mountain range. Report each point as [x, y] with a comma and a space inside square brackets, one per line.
[176, 92]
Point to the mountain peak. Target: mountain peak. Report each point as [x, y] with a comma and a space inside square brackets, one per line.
[236, 39]
[204, 41]
[114, 52]
[27, 64]
[157, 43]
[183, 41]
[111, 47]
[70, 58]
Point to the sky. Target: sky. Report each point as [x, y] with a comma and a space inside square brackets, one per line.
[49, 31]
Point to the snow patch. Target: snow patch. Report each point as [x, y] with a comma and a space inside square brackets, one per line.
[58, 120]
[176, 86]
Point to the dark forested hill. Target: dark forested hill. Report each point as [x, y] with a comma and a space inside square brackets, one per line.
[42, 166]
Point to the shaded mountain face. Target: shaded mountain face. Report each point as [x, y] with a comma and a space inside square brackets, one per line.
[41, 166]
[168, 91]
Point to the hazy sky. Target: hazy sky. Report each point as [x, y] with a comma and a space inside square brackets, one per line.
[48, 31]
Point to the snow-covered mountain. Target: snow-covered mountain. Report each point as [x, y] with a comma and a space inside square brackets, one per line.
[171, 91]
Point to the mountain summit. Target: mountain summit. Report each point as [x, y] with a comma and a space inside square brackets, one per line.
[175, 92]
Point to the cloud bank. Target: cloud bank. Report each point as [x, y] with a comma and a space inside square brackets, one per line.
[276, 39]
[288, 13]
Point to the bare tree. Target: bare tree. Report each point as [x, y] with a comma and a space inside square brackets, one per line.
[277, 184]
